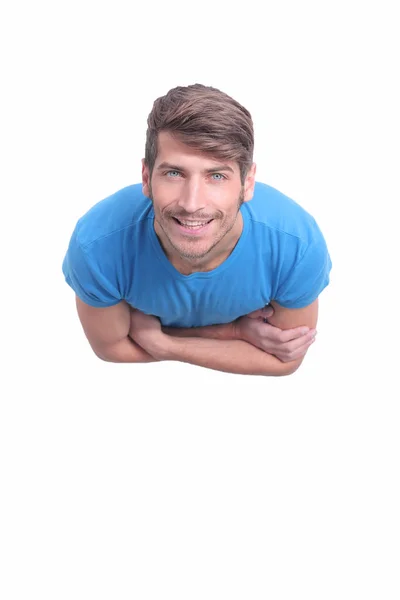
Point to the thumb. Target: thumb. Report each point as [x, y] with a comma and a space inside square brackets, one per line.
[261, 313]
[267, 311]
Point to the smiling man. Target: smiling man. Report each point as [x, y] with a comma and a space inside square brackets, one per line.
[180, 266]
[197, 208]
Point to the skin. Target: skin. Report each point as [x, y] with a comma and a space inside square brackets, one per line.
[186, 191]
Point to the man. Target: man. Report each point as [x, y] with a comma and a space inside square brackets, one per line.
[180, 266]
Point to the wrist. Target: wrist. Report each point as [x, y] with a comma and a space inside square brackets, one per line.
[238, 330]
[162, 347]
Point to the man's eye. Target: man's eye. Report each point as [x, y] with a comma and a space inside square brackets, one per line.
[173, 174]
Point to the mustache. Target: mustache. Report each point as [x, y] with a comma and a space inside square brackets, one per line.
[174, 215]
[191, 217]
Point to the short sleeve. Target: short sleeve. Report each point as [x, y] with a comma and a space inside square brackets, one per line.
[84, 274]
[307, 278]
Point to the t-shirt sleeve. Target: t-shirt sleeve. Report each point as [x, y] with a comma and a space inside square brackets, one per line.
[307, 277]
[86, 275]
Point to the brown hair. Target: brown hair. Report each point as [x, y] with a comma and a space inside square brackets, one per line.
[204, 118]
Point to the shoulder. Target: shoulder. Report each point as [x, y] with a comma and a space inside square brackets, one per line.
[113, 215]
[278, 215]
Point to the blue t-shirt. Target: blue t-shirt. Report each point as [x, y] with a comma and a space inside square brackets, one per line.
[114, 254]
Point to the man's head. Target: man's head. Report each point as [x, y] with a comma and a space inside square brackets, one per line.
[198, 167]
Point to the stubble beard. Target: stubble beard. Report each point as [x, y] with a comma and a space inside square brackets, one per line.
[188, 254]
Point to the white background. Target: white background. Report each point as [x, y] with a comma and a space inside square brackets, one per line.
[169, 480]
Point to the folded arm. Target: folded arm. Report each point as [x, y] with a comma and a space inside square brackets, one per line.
[120, 334]
[221, 350]
[107, 329]
[229, 348]
[229, 356]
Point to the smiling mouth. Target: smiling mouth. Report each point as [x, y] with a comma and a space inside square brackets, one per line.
[193, 225]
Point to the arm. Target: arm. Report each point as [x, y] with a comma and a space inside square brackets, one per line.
[286, 319]
[225, 331]
[107, 331]
[229, 355]
[286, 344]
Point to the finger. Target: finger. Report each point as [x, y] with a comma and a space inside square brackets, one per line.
[296, 333]
[256, 314]
[300, 352]
[267, 311]
[299, 347]
[263, 313]
[280, 336]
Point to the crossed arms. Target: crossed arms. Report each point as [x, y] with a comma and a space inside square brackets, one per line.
[246, 346]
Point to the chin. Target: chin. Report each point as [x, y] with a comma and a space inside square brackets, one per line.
[188, 252]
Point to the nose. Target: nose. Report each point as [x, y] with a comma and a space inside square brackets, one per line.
[191, 196]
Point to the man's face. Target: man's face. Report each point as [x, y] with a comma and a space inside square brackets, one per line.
[196, 198]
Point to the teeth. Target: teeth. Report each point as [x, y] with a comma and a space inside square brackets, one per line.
[193, 223]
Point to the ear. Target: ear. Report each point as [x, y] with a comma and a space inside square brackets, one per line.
[145, 179]
[250, 183]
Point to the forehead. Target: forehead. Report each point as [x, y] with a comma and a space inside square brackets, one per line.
[173, 150]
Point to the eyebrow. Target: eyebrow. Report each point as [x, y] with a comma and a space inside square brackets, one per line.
[166, 165]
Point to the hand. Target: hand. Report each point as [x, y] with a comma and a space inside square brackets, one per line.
[146, 331]
[285, 344]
